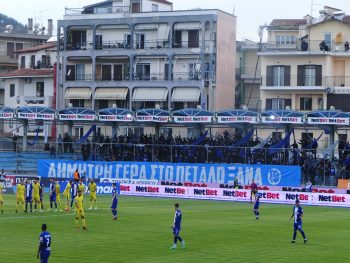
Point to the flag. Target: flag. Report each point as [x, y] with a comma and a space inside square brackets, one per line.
[83, 139]
[262, 144]
[314, 142]
[276, 148]
[329, 149]
[244, 140]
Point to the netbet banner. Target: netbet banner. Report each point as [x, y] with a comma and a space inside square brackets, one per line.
[269, 175]
[241, 195]
[102, 188]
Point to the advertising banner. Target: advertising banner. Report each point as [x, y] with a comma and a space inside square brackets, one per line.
[102, 188]
[237, 119]
[6, 115]
[36, 116]
[240, 195]
[152, 118]
[193, 119]
[293, 120]
[269, 175]
[122, 118]
[76, 117]
[334, 121]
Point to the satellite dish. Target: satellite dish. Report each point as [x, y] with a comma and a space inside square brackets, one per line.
[68, 73]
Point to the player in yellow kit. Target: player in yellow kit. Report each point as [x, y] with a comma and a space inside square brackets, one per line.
[58, 197]
[20, 195]
[81, 187]
[79, 210]
[66, 194]
[36, 193]
[1, 199]
[92, 189]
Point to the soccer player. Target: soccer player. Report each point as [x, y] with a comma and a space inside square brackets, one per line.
[92, 190]
[36, 193]
[41, 194]
[73, 191]
[177, 227]
[28, 194]
[256, 205]
[76, 176]
[298, 215]
[114, 201]
[20, 195]
[253, 191]
[44, 249]
[1, 199]
[66, 193]
[52, 195]
[81, 187]
[58, 191]
[79, 212]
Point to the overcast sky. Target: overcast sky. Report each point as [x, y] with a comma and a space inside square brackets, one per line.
[250, 13]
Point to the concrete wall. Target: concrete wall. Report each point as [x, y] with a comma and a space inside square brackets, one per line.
[226, 59]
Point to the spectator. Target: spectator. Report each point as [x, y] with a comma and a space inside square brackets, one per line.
[346, 46]
[53, 151]
[308, 187]
[2, 175]
[59, 144]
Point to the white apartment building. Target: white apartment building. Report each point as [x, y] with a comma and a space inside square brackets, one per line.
[139, 54]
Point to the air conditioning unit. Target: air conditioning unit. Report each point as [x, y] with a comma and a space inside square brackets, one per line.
[329, 90]
[27, 80]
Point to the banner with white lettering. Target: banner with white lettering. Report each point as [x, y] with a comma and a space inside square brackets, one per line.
[76, 117]
[269, 175]
[237, 119]
[122, 118]
[241, 195]
[193, 119]
[35, 116]
[6, 115]
[275, 119]
[334, 121]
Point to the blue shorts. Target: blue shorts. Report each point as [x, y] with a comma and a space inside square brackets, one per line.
[114, 204]
[256, 206]
[298, 226]
[41, 197]
[53, 198]
[176, 231]
[28, 199]
[44, 256]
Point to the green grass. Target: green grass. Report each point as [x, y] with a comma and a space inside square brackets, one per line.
[214, 232]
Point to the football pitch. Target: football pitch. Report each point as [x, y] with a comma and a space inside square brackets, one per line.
[213, 231]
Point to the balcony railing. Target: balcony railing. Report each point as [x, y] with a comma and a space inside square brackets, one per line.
[111, 77]
[306, 45]
[79, 77]
[306, 81]
[100, 10]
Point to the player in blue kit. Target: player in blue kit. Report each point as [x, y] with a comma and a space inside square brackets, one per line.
[256, 205]
[114, 201]
[41, 193]
[298, 215]
[52, 194]
[177, 227]
[28, 195]
[73, 192]
[44, 245]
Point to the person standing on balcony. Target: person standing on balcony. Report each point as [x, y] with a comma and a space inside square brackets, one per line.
[60, 142]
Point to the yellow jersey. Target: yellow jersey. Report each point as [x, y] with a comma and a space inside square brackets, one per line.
[20, 190]
[79, 202]
[67, 189]
[0, 188]
[81, 187]
[58, 189]
[92, 187]
[36, 189]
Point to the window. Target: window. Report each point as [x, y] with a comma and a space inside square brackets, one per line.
[78, 39]
[102, 104]
[178, 38]
[306, 138]
[309, 75]
[77, 103]
[118, 72]
[70, 74]
[12, 90]
[285, 40]
[10, 49]
[305, 103]
[320, 103]
[278, 76]
[40, 89]
[328, 39]
[45, 61]
[143, 71]
[195, 71]
[193, 38]
[277, 104]
[80, 72]
[127, 40]
[135, 7]
[32, 61]
[23, 61]
[98, 42]
[154, 8]
[140, 41]
[106, 72]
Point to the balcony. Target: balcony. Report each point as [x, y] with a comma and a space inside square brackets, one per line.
[79, 77]
[305, 46]
[304, 82]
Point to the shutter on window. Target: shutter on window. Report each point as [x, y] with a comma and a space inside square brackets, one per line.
[287, 103]
[309, 104]
[301, 80]
[269, 76]
[319, 75]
